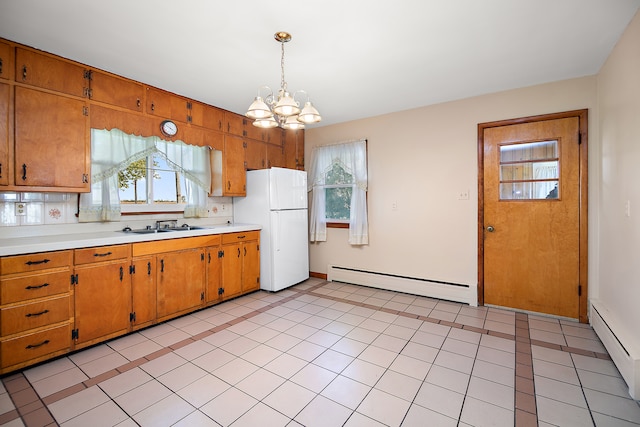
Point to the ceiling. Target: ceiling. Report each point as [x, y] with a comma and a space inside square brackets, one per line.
[355, 58]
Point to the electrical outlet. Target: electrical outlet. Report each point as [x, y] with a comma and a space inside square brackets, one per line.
[394, 206]
[463, 195]
[223, 207]
[627, 208]
[21, 209]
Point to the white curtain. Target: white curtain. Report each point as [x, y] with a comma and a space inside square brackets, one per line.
[353, 157]
[114, 150]
[545, 170]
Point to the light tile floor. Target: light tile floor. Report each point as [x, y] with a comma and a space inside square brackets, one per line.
[331, 354]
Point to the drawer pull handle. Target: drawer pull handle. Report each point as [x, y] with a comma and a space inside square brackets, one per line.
[242, 237]
[121, 273]
[37, 314]
[30, 288]
[44, 261]
[104, 254]
[31, 346]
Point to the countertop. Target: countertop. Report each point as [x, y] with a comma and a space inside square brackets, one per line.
[56, 242]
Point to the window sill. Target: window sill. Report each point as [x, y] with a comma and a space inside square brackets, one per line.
[337, 225]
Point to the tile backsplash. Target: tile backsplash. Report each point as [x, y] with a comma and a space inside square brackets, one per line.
[28, 209]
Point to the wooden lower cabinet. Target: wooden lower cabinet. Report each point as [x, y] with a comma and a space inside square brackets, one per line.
[102, 301]
[180, 282]
[36, 308]
[143, 291]
[240, 263]
[54, 302]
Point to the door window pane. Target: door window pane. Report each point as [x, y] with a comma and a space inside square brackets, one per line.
[529, 171]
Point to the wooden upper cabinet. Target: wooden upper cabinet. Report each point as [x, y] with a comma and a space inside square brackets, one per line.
[274, 136]
[294, 149]
[49, 72]
[167, 105]
[116, 90]
[234, 123]
[52, 144]
[255, 155]
[234, 178]
[4, 134]
[206, 116]
[6, 60]
[275, 156]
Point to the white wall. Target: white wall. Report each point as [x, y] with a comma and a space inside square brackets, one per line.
[422, 159]
[619, 235]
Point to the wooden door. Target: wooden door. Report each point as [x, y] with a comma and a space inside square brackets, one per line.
[533, 208]
[115, 90]
[6, 60]
[143, 291]
[180, 281]
[102, 301]
[255, 155]
[52, 143]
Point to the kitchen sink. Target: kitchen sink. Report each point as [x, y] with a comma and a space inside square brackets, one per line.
[144, 230]
[151, 230]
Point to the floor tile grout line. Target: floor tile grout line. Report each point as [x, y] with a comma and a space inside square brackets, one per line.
[47, 400]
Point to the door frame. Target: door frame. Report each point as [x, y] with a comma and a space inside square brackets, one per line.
[582, 116]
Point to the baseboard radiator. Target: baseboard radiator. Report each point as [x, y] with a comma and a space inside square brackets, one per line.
[623, 351]
[411, 285]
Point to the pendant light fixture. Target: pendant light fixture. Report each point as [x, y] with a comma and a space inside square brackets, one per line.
[282, 110]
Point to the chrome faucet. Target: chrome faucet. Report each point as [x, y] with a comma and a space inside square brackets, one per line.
[168, 222]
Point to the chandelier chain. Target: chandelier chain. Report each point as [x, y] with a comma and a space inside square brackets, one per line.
[283, 84]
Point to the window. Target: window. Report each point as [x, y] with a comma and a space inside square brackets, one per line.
[338, 183]
[529, 171]
[144, 172]
[152, 183]
[338, 190]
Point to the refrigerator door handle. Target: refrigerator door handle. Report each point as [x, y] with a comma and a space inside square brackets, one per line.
[276, 233]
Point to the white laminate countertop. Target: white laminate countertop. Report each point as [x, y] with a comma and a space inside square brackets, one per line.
[56, 242]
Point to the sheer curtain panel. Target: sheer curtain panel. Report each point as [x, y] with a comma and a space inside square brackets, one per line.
[352, 156]
[113, 150]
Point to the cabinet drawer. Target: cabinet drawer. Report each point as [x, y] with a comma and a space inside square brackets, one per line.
[173, 245]
[32, 346]
[34, 262]
[34, 286]
[101, 254]
[35, 315]
[240, 237]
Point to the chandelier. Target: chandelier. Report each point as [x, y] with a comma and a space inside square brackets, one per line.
[282, 110]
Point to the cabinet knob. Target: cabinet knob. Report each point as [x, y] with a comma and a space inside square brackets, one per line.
[490, 229]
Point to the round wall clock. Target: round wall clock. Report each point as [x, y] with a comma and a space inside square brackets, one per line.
[168, 128]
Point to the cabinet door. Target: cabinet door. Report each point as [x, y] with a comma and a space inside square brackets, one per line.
[275, 156]
[294, 149]
[255, 154]
[206, 116]
[180, 281]
[234, 124]
[102, 301]
[232, 269]
[250, 266]
[274, 136]
[214, 271]
[48, 72]
[52, 144]
[143, 291]
[6, 60]
[4, 134]
[116, 90]
[166, 105]
[233, 172]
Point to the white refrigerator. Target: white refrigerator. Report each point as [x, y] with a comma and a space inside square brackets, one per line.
[277, 200]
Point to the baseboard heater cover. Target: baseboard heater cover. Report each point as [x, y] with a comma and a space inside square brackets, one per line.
[623, 352]
[411, 285]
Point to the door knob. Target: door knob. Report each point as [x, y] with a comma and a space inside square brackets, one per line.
[490, 228]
